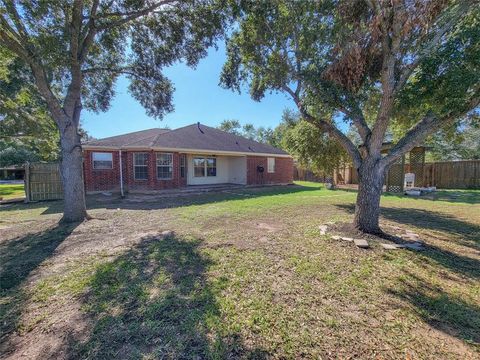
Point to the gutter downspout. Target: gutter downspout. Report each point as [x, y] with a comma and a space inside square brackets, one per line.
[121, 172]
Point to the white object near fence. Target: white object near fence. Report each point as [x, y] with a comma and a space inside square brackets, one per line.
[409, 180]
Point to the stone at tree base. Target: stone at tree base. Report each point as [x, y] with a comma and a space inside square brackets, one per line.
[346, 238]
[415, 246]
[167, 233]
[323, 229]
[336, 237]
[361, 243]
[392, 246]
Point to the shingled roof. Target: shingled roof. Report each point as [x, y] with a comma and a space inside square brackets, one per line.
[144, 137]
[192, 137]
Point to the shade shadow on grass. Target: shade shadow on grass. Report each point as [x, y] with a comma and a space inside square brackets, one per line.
[453, 196]
[447, 313]
[155, 301]
[18, 258]
[429, 220]
[154, 201]
[438, 221]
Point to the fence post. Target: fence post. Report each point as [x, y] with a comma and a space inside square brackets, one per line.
[26, 182]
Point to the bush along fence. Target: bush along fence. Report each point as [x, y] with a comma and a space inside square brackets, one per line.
[43, 182]
[463, 174]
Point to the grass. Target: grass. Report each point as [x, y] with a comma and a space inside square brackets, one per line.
[246, 275]
[12, 191]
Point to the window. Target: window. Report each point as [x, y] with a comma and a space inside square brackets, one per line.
[271, 165]
[102, 161]
[199, 167]
[140, 166]
[164, 166]
[204, 167]
[211, 166]
[183, 163]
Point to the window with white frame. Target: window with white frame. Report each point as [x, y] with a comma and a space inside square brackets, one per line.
[140, 166]
[199, 167]
[164, 166]
[102, 160]
[204, 166]
[183, 165]
[271, 165]
[211, 166]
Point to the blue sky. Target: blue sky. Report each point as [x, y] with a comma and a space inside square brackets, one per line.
[197, 98]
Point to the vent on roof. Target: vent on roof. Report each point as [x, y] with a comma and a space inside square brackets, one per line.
[198, 125]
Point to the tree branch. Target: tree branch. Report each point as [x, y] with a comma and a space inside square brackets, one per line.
[327, 127]
[130, 16]
[391, 25]
[91, 32]
[429, 124]
[429, 47]
[12, 10]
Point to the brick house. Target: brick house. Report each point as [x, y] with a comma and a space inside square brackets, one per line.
[158, 159]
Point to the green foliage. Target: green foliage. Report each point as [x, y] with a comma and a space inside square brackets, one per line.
[260, 134]
[460, 143]
[126, 42]
[312, 148]
[16, 156]
[27, 131]
[232, 126]
[328, 55]
[444, 81]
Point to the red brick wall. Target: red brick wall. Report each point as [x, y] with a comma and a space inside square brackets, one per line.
[152, 183]
[283, 171]
[109, 180]
[101, 180]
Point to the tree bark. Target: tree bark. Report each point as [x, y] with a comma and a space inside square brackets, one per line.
[71, 168]
[371, 176]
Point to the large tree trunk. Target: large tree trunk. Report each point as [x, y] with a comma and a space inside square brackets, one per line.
[71, 168]
[371, 177]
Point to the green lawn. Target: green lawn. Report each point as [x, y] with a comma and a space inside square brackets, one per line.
[12, 191]
[246, 275]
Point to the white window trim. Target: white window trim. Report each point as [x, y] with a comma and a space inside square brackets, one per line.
[205, 166]
[204, 170]
[183, 159]
[157, 166]
[101, 152]
[134, 177]
[271, 159]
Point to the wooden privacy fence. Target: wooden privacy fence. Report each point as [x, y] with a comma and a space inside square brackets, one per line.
[43, 182]
[463, 174]
[452, 174]
[308, 175]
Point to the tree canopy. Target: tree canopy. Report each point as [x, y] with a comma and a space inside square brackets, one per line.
[410, 66]
[75, 50]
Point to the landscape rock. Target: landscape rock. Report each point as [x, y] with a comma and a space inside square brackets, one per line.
[167, 233]
[346, 238]
[323, 229]
[392, 246]
[361, 243]
[415, 246]
[336, 237]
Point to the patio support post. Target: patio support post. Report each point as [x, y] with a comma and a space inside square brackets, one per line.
[120, 164]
